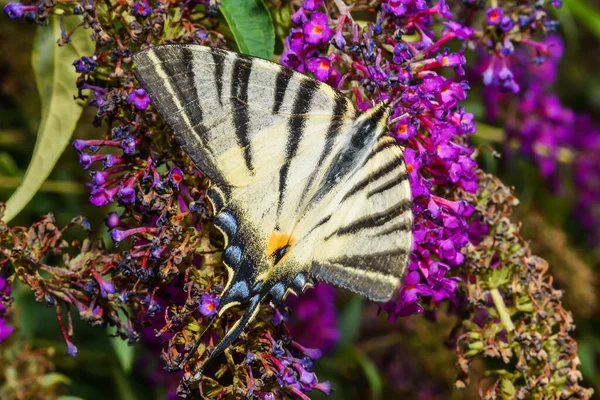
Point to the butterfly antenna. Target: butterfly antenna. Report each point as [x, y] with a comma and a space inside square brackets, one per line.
[197, 344]
[231, 335]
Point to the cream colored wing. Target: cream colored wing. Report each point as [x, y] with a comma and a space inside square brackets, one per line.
[365, 245]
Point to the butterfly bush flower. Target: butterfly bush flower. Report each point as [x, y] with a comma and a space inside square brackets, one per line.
[85, 64]
[508, 25]
[16, 10]
[547, 132]
[142, 8]
[209, 304]
[313, 319]
[139, 99]
[5, 329]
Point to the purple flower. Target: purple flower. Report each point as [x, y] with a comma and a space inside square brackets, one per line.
[102, 196]
[71, 348]
[16, 10]
[175, 177]
[507, 24]
[444, 10]
[85, 64]
[113, 220]
[320, 66]
[312, 5]
[142, 9]
[338, 40]
[208, 306]
[397, 7]
[119, 235]
[295, 40]
[5, 330]
[128, 145]
[87, 160]
[106, 287]
[127, 194]
[313, 319]
[494, 16]
[316, 30]
[139, 98]
[461, 32]
[99, 177]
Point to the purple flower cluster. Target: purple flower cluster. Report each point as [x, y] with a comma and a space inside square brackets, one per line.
[427, 119]
[313, 319]
[5, 289]
[85, 64]
[504, 28]
[292, 373]
[117, 177]
[546, 131]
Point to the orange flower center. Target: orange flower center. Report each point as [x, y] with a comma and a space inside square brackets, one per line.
[318, 29]
[410, 168]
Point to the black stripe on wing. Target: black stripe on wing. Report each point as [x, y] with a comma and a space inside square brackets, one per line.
[387, 186]
[386, 169]
[167, 74]
[296, 128]
[375, 220]
[281, 83]
[240, 78]
[182, 79]
[219, 60]
[337, 120]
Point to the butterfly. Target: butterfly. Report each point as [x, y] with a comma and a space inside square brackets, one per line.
[304, 187]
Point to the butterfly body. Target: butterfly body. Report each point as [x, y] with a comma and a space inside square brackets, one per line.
[304, 188]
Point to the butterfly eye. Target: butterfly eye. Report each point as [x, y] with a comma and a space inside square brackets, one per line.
[280, 253]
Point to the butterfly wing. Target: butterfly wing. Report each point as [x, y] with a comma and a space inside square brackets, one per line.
[365, 245]
[261, 132]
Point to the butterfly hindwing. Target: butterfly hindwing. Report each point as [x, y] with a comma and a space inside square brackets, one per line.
[365, 246]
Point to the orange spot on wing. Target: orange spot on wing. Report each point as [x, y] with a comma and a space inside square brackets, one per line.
[278, 241]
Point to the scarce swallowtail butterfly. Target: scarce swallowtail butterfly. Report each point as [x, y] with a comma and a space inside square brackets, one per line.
[304, 188]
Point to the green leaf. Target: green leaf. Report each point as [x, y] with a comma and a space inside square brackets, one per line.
[370, 371]
[124, 352]
[586, 13]
[69, 398]
[349, 320]
[251, 25]
[54, 379]
[55, 77]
